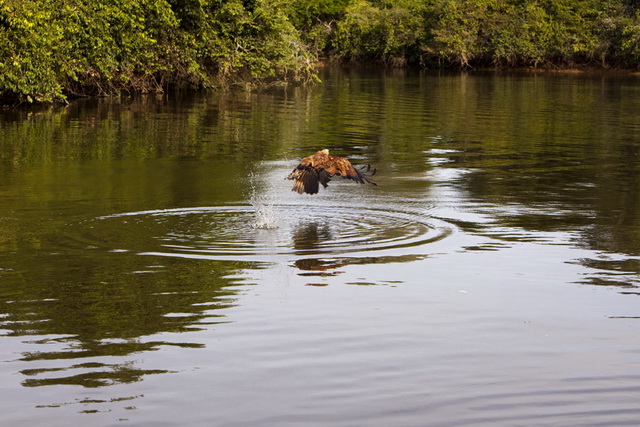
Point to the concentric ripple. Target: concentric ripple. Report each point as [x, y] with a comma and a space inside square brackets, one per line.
[249, 231]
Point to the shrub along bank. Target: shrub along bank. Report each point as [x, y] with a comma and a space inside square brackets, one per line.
[54, 49]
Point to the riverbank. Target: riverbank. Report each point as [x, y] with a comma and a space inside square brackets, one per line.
[61, 49]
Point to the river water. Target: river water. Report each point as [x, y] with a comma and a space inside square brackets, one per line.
[156, 269]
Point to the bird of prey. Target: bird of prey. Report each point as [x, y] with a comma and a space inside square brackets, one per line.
[320, 167]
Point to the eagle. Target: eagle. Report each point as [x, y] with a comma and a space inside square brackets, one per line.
[320, 167]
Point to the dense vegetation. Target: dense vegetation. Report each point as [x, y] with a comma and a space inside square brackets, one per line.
[54, 49]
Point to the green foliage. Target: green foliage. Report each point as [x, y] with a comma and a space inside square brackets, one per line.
[28, 51]
[305, 13]
[317, 21]
[52, 49]
[491, 32]
[389, 32]
[257, 44]
[540, 32]
[456, 32]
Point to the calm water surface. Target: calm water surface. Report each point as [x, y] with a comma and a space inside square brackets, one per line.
[156, 269]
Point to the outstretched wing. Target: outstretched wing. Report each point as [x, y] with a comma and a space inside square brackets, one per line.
[320, 167]
[308, 180]
[343, 167]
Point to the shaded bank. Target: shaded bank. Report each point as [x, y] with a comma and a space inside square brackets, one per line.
[54, 49]
[51, 50]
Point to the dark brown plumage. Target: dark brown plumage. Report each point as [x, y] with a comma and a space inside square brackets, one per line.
[320, 167]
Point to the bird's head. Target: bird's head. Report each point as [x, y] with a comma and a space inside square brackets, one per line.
[325, 151]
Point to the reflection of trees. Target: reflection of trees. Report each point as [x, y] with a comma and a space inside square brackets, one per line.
[226, 126]
[559, 154]
[598, 197]
[60, 167]
[91, 303]
[596, 201]
[563, 150]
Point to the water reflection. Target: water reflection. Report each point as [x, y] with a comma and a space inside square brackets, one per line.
[319, 267]
[310, 235]
[572, 190]
[117, 308]
[128, 230]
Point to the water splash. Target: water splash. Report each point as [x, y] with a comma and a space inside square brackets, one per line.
[266, 217]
